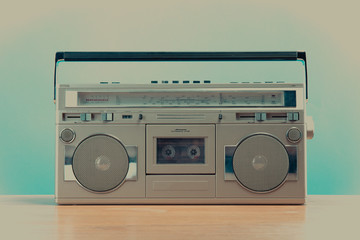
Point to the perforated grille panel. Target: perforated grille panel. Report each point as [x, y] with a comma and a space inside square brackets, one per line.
[100, 163]
[67, 135]
[294, 134]
[260, 163]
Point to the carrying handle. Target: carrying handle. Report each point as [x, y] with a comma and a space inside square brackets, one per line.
[179, 56]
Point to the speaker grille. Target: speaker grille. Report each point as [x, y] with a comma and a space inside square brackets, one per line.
[100, 163]
[260, 163]
[67, 135]
[294, 135]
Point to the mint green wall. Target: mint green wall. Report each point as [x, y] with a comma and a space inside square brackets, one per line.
[31, 32]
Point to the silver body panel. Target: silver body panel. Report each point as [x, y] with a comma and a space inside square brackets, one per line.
[151, 182]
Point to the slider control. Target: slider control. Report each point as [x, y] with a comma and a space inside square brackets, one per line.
[107, 117]
[293, 116]
[260, 116]
[85, 117]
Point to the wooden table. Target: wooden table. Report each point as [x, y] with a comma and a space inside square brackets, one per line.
[38, 217]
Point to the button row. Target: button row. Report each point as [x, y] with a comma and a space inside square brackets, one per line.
[177, 82]
[106, 117]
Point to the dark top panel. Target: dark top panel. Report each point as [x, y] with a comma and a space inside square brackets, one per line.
[179, 56]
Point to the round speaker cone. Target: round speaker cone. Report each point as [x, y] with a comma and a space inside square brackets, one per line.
[100, 163]
[260, 163]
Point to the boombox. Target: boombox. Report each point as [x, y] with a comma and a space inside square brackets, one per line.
[181, 141]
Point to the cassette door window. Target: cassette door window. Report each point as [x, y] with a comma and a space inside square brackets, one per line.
[180, 149]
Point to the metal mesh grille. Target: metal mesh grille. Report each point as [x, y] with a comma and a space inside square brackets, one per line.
[294, 134]
[100, 163]
[67, 135]
[260, 163]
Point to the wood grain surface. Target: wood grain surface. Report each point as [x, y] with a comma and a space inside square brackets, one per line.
[38, 217]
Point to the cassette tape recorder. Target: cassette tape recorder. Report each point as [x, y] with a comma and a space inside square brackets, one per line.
[181, 142]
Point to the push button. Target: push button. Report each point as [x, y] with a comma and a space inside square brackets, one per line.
[296, 116]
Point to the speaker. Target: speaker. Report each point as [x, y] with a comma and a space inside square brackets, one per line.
[100, 163]
[261, 162]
